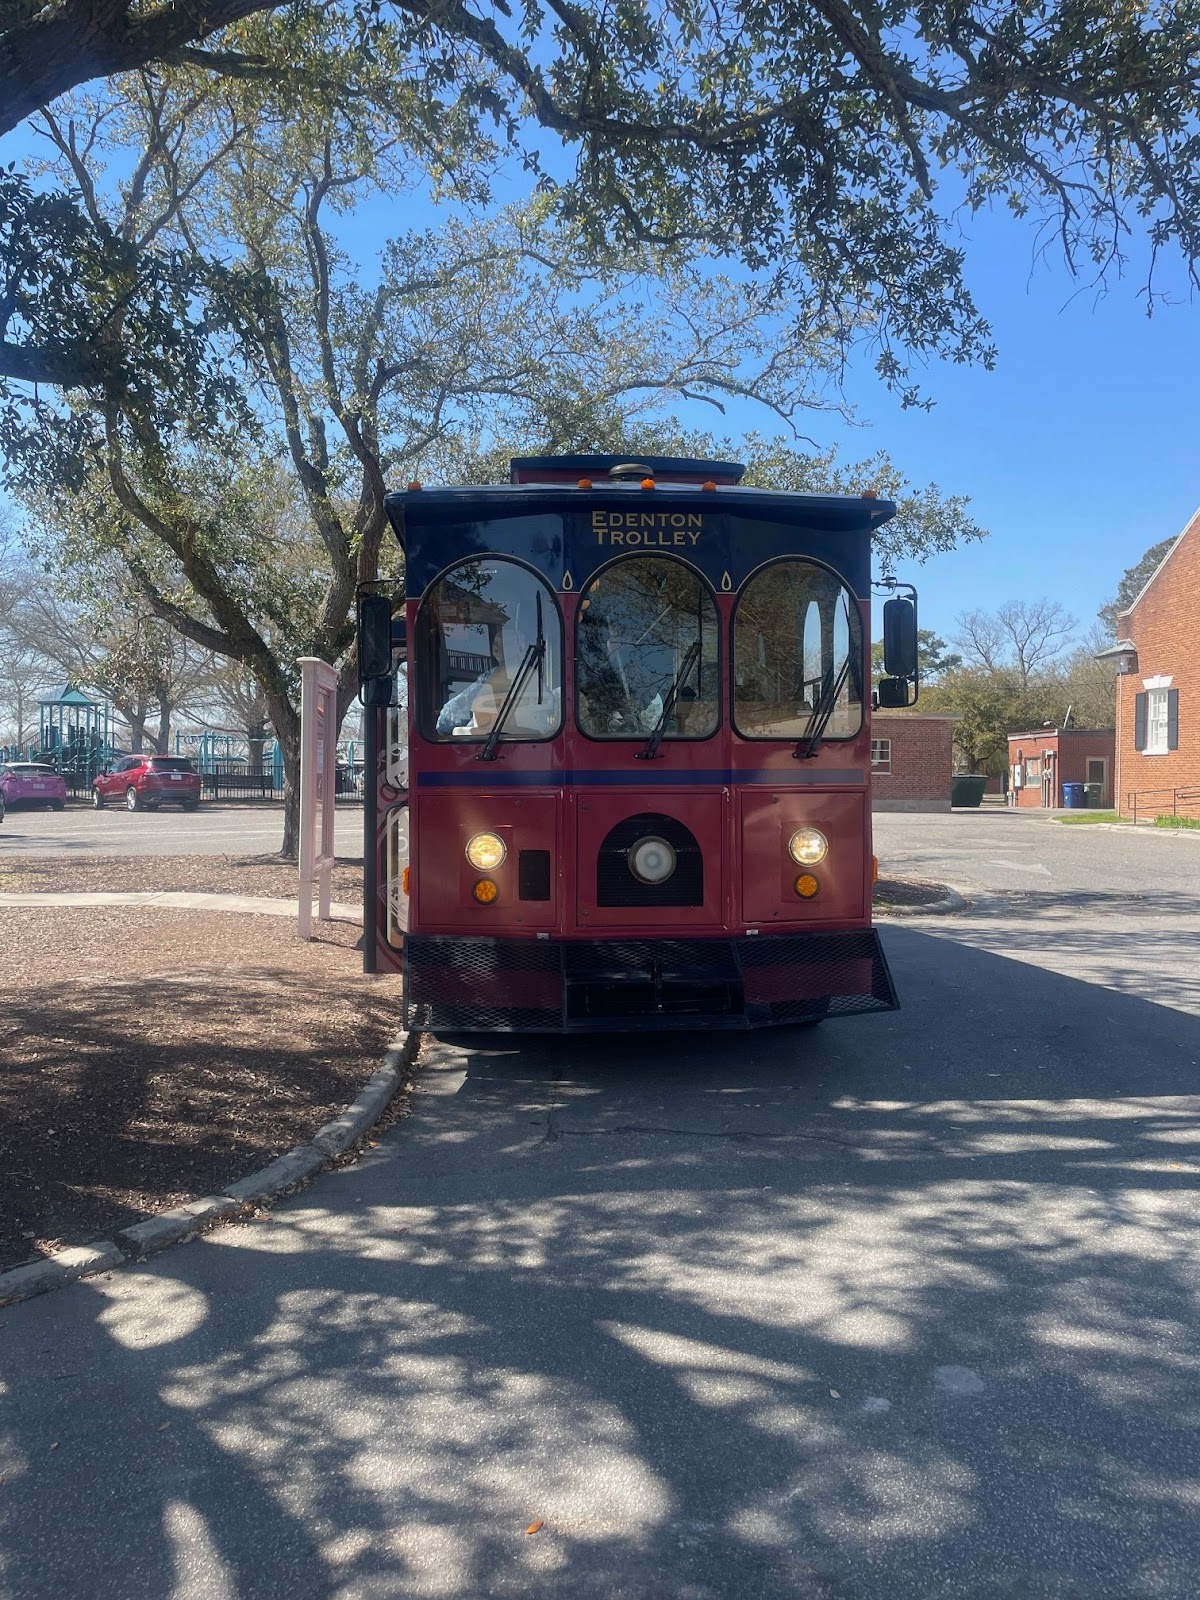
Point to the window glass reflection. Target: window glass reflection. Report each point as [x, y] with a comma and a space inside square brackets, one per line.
[797, 640]
[646, 636]
[478, 632]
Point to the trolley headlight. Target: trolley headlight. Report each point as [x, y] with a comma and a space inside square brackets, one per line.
[807, 846]
[652, 860]
[486, 852]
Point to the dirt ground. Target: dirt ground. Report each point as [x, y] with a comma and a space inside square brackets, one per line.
[151, 1056]
[260, 875]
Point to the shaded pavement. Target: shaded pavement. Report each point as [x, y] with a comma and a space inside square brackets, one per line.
[901, 1307]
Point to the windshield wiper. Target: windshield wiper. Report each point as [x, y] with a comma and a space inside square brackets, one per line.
[535, 656]
[677, 683]
[821, 713]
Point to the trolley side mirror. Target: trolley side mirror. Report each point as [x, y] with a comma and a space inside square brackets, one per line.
[899, 640]
[892, 694]
[374, 637]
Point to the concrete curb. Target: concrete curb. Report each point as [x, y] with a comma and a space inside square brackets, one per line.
[271, 1182]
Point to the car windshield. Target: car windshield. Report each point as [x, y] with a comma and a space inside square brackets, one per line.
[797, 647]
[646, 643]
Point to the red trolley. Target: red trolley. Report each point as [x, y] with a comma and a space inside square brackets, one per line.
[622, 767]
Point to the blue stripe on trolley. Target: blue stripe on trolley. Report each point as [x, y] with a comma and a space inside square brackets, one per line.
[637, 779]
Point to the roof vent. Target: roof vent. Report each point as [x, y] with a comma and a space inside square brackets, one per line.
[630, 469]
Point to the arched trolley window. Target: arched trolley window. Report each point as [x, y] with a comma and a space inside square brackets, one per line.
[797, 644]
[646, 653]
[479, 625]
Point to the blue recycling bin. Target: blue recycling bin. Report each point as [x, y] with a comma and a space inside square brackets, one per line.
[1073, 796]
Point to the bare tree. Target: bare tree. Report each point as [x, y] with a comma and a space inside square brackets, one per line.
[1026, 638]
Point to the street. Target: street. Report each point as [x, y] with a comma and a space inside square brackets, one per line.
[245, 830]
[900, 1308]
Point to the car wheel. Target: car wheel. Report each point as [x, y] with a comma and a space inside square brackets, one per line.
[133, 800]
[56, 805]
[191, 805]
[97, 800]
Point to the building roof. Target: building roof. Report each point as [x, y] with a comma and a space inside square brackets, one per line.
[67, 696]
[1193, 522]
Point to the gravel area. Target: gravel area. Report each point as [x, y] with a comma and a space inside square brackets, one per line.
[150, 1057]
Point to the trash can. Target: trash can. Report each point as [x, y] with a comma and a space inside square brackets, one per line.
[1073, 796]
[967, 788]
[1093, 794]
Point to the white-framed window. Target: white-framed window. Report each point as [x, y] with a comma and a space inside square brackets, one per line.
[1033, 769]
[1156, 722]
[881, 755]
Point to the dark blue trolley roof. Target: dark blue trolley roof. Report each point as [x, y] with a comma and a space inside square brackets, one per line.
[568, 533]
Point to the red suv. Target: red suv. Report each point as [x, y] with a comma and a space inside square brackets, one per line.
[145, 782]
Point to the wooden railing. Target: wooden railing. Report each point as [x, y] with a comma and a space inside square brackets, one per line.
[1163, 803]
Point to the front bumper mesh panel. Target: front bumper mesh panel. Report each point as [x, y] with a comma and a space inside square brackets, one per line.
[569, 986]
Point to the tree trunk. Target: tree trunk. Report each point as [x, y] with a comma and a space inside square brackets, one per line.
[286, 720]
[162, 740]
[256, 738]
[136, 716]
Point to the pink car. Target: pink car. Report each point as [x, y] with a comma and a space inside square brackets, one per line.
[30, 783]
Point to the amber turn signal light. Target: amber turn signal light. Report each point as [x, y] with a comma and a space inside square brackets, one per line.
[485, 891]
[405, 880]
[806, 886]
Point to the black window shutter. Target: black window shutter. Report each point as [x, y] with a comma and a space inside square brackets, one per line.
[1172, 719]
[1139, 722]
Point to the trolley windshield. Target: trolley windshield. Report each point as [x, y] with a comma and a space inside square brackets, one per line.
[646, 652]
[486, 628]
[797, 654]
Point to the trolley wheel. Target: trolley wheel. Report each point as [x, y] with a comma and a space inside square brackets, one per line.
[97, 800]
[133, 800]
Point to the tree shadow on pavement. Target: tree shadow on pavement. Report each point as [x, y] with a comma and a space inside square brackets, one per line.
[901, 1307]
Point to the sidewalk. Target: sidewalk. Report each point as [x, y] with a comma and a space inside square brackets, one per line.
[173, 900]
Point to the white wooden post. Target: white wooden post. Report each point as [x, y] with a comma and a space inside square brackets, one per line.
[318, 785]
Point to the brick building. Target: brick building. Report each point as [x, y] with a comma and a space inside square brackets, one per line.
[911, 760]
[1041, 761]
[1157, 655]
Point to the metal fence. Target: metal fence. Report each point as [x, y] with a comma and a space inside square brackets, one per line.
[230, 780]
[1163, 803]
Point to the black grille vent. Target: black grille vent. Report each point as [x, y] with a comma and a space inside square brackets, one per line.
[533, 875]
[616, 884]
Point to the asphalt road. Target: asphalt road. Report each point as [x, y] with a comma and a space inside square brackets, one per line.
[901, 1308]
[245, 830]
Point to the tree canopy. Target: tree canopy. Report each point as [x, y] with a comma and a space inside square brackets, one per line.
[828, 146]
[1133, 580]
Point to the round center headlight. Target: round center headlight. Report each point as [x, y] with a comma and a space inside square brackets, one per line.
[807, 846]
[486, 852]
[652, 860]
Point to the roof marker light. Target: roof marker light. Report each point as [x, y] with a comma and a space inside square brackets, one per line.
[708, 485]
[868, 494]
[414, 486]
[647, 483]
[585, 483]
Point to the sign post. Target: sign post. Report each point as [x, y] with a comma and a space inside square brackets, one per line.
[318, 786]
